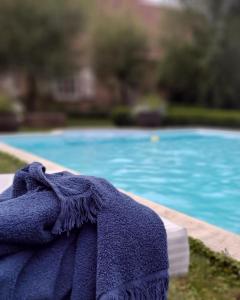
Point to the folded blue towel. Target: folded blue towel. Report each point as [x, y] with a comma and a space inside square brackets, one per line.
[64, 236]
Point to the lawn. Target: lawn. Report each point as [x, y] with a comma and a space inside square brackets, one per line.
[84, 122]
[211, 277]
[9, 164]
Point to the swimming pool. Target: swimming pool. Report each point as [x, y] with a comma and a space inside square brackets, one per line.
[194, 171]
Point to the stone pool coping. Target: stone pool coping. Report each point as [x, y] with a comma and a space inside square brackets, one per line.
[215, 238]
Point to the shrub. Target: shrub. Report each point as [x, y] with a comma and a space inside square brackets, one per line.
[151, 103]
[122, 116]
[45, 119]
[150, 111]
[202, 116]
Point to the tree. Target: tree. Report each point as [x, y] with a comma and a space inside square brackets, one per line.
[119, 55]
[37, 39]
[212, 67]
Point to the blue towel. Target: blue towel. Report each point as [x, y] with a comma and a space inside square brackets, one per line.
[65, 236]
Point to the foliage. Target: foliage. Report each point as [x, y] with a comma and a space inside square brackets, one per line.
[119, 50]
[37, 39]
[204, 68]
[185, 115]
[180, 73]
[36, 35]
[6, 104]
[149, 111]
[211, 276]
[122, 116]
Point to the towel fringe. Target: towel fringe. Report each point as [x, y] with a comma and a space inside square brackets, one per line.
[154, 291]
[76, 210]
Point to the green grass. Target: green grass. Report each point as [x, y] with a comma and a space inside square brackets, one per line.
[211, 277]
[9, 164]
[74, 122]
[179, 115]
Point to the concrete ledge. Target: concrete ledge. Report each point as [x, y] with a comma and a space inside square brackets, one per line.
[215, 238]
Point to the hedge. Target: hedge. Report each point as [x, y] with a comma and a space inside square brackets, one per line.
[202, 116]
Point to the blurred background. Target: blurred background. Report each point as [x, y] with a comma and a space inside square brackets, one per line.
[122, 62]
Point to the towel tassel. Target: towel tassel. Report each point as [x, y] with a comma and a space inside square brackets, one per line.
[76, 210]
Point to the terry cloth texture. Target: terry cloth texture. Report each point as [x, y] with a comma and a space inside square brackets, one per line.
[65, 236]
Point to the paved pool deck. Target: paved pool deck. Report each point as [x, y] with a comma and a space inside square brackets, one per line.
[215, 238]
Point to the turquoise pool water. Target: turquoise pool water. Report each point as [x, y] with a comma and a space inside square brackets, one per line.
[194, 171]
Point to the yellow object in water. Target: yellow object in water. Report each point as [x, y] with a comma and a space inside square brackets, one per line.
[155, 138]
